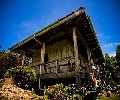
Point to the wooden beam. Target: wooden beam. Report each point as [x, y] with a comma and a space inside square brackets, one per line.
[42, 57]
[40, 70]
[76, 50]
[60, 34]
[39, 83]
[90, 39]
[94, 48]
[89, 57]
[56, 66]
[58, 75]
[80, 17]
[23, 59]
[37, 41]
[88, 35]
[88, 50]
[84, 42]
[99, 59]
[78, 82]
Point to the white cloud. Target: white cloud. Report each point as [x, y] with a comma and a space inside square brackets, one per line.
[112, 44]
[26, 23]
[29, 24]
[57, 13]
[109, 45]
[112, 54]
[100, 35]
[26, 28]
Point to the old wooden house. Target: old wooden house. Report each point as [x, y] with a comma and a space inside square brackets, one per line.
[64, 51]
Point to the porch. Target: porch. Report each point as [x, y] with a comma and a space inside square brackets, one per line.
[62, 68]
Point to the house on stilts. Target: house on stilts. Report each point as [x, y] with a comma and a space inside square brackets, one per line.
[64, 51]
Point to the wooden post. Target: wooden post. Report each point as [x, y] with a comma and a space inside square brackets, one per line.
[98, 68]
[40, 71]
[42, 57]
[23, 59]
[39, 84]
[77, 68]
[56, 66]
[71, 66]
[89, 58]
[78, 82]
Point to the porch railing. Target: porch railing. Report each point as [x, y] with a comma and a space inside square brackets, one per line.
[62, 66]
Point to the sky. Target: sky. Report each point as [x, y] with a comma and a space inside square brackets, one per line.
[21, 18]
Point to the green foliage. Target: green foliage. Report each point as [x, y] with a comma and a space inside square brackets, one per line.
[112, 83]
[110, 61]
[24, 76]
[118, 55]
[112, 97]
[118, 62]
[112, 64]
[1, 82]
[60, 92]
[7, 60]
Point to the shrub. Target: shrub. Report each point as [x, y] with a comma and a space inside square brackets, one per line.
[113, 83]
[60, 92]
[23, 76]
[1, 82]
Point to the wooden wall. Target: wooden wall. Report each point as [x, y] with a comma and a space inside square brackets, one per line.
[36, 57]
[57, 51]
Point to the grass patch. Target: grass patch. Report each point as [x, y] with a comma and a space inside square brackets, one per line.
[112, 97]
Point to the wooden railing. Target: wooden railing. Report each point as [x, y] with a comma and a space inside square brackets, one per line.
[62, 66]
[58, 66]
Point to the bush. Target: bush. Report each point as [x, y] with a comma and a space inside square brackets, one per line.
[60, 92]
[23, 77]
[1, 82]
[113, 83]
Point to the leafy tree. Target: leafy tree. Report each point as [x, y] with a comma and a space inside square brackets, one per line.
[118, 63]
[110, 61]
[107, 60]
[7, 60]
[118, 55]
[3, 63]
[112, 64]
[23, 76]
[110, 69]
